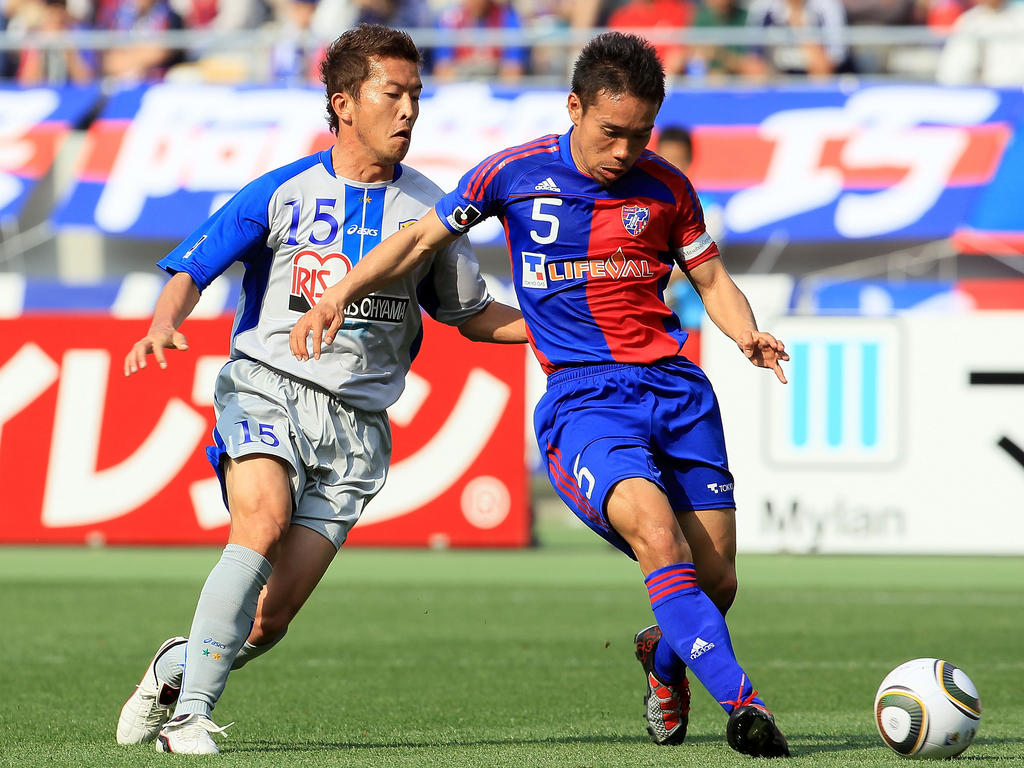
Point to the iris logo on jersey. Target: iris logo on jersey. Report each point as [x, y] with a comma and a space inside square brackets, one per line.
[533, 270]
[312, 274]
[635, 218]
[462, 218]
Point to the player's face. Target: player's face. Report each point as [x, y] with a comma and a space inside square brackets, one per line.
[389, 103]
[610, 134]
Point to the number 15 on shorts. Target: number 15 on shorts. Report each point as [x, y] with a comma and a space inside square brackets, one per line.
[265, 434]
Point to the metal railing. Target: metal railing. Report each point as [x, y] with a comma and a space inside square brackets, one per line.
[254, 43]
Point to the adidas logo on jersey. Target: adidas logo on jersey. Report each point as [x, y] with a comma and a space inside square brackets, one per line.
[700, 647]
[548, 185]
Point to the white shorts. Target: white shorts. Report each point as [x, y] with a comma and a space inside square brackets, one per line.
[338, 455]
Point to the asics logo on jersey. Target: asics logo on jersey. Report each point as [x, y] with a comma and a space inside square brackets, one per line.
[312, 274]
[548, 185]
[462, 218]
[700, 647]
[355, 229]
[635, 218]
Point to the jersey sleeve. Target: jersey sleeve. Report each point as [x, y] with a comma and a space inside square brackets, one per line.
[691, 243]
[453, 290]
[478, 195]
[240, 225]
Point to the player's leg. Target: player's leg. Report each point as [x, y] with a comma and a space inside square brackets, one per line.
[594, 436]
[259, 494]
[303, 560]
[690, 622]
[711, 535]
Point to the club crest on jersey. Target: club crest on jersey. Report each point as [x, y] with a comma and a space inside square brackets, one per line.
[406, 223]
[635, 218]
[312, 274]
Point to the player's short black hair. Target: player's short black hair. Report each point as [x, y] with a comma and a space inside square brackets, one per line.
[617, 63]
[346, 64]
[678, 134]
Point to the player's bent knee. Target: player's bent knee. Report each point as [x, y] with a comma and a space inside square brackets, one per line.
[261, 533]
[268, 627]
[722, 590]
[658, 546]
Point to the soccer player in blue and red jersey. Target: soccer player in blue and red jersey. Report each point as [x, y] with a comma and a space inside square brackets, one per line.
[631, 429]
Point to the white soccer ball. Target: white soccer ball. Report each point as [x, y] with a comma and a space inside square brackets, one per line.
[927, 708]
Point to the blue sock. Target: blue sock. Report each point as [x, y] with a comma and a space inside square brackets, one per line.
[695, 629]
[668, 667]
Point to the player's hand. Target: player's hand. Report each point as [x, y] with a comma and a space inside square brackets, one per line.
[323, 321]
[155, 342]
[764, 351]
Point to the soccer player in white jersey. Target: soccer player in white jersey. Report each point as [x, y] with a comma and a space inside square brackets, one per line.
[301, 448]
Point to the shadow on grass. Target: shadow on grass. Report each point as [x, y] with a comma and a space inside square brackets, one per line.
[316, 746]
[802, 744]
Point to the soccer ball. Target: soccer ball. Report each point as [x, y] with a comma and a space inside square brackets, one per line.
[927, 708]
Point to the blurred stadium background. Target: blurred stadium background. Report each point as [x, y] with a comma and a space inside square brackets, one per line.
[871, 213]
[861, 165]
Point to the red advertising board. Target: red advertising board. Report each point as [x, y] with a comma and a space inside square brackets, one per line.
[87, 455]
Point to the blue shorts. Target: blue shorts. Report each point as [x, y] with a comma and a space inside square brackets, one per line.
[600, 424]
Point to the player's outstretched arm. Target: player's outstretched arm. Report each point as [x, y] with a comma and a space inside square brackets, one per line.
[178, 298]
[395, 257]
[729, 309]
[497, 323]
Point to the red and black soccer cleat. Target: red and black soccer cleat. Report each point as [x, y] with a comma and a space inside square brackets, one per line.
[668, 706]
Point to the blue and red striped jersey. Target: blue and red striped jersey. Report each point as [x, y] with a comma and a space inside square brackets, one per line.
[590, 263]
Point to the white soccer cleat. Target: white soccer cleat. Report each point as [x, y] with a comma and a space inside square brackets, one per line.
[189, 735]
[151, 705]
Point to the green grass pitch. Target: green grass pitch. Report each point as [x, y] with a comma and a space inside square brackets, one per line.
[468, 659]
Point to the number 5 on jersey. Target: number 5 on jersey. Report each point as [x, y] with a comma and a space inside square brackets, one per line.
[533, 263]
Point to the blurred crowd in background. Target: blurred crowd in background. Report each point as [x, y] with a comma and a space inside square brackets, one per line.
[975, 41]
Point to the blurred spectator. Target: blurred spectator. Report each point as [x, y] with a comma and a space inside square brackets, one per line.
[939, 14]
[222, 15]
[505, 62]
[986, 46]
[399, 14]
[671, 14]
[718, 60]
[676, 145]
[8, 59]
[145, 60]
[546, 18]
[827, 18]
[880, 12]
[292, 59]
[55, 66]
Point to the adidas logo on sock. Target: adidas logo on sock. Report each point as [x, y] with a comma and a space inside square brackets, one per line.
[548, 185]
[700, 647]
